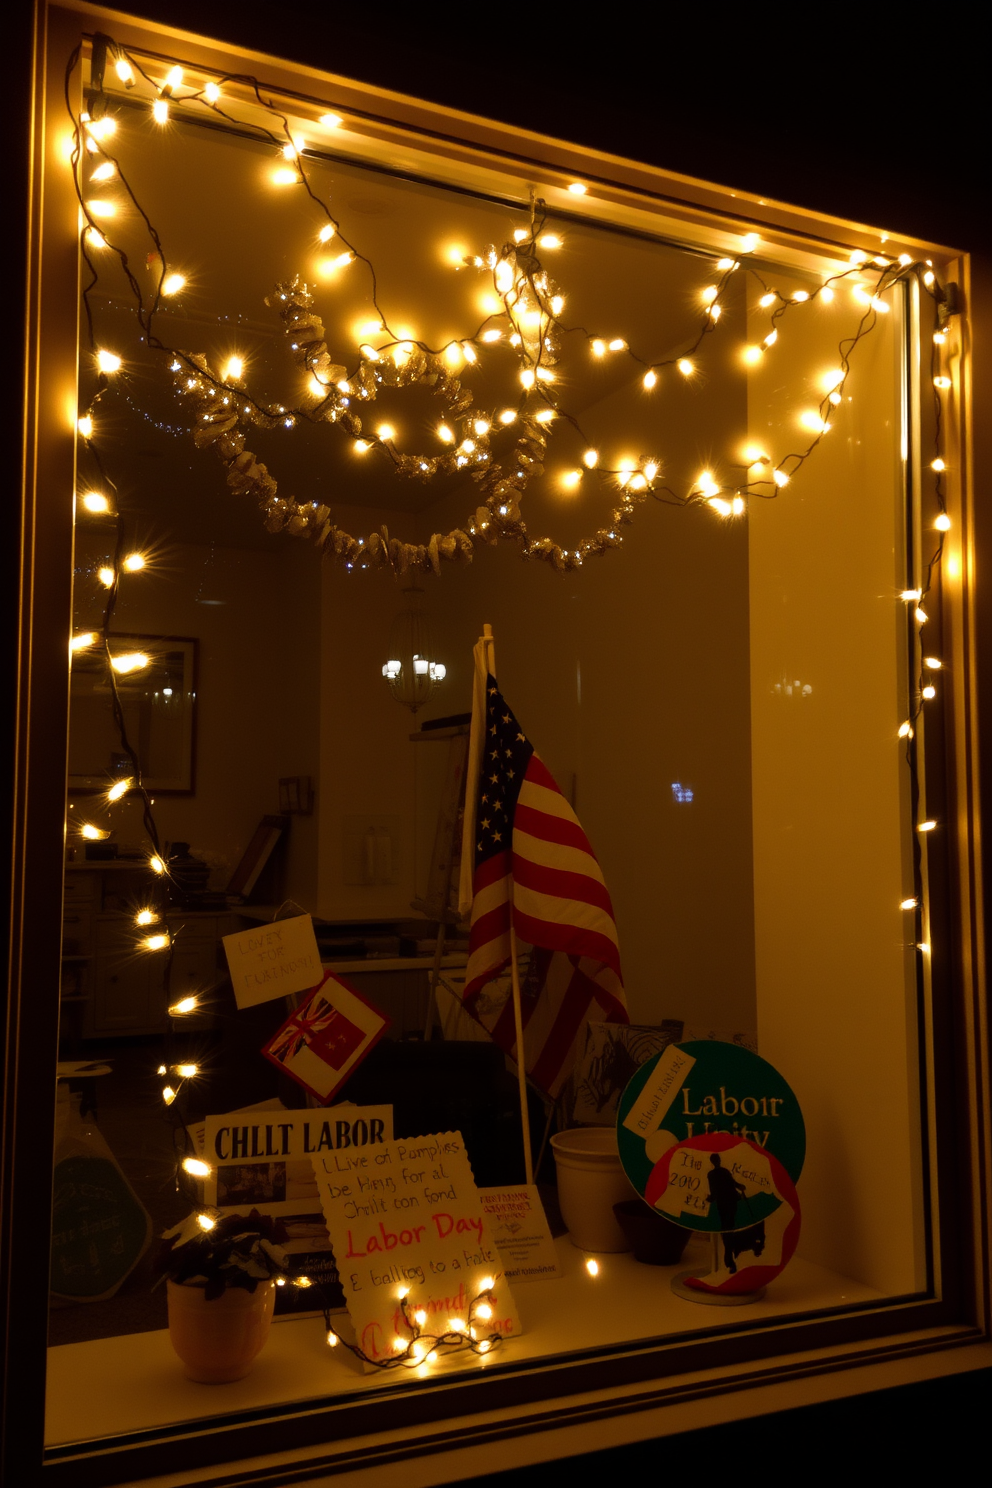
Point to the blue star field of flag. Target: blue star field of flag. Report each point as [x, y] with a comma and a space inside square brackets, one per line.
[505, 758]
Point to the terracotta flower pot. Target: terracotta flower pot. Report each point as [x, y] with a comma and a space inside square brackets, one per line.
[655, 1240]
[218, 1340]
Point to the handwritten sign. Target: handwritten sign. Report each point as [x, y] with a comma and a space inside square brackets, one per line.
[327, 1037]
[520, 1228]
[263, 1159]
[408, 1216]
[273, 960]
[651, 1107]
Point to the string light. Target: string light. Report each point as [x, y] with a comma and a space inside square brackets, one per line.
[92, 833]
[196, 1167]
[83, 640]
[532, 305]
[183, 1006]
[156, 942]
[592, 1267]
[129, 661]
[119, 789]
[94, 501]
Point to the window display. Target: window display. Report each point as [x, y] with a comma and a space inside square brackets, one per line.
[604, 977]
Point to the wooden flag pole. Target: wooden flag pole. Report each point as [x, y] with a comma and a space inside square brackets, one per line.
[518, 1021]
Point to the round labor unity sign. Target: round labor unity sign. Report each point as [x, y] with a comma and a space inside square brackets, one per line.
[701, 1089]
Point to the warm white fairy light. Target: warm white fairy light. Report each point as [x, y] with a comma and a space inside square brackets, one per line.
[649, 379]
[169, 1095]
[911, 596]
[685, 366]
[156, 864]
[750, 242]
[780, 477]
[85, 426]
[905, 730]
[813, 421]
[118, 789]
[929, 692]
[592, 1267]
[108, 361]
[129, 661]
[133, 562]
[932, 663]
[95, 501]
[160, 111]
[173, 283]
[752, 355]
[187, 1071]
[577, 188]
[155, 942]
[909, 904]
[92, 833]
[942, 382]
[83, 640]
[927, 826]
[196, 1167]
[233, 369]
[183, 1006]
[211, 93]
[942, 522]
[920, 616]
[590, 459]
[205, 1221]
[107, 577]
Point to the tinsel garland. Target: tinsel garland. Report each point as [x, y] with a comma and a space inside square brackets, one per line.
[220, 416]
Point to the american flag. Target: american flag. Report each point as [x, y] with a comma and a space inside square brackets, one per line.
[532, 859]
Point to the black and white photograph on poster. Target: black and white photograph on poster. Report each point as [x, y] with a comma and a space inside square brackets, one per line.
[263, 1159]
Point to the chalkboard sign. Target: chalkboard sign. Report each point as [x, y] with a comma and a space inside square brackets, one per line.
[99, 1231]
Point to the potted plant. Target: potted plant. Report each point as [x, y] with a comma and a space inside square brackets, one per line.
[221, 1276]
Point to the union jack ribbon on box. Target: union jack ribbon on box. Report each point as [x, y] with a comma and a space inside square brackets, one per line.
[327, 1037]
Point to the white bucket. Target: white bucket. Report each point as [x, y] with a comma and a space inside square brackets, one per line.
[590, 1181]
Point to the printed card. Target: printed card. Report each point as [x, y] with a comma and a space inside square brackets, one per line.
[408, 1217]
[520, 1228]
[327, 1037]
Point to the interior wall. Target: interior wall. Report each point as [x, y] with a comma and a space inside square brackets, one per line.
[631, 677]
[835, 966]
[255, 615]
[366, 759]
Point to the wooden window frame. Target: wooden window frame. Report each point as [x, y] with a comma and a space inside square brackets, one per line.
[646, 1381]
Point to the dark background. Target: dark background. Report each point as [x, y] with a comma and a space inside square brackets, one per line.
[880, 115]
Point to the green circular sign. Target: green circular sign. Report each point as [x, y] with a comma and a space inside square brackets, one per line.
[698, 1089]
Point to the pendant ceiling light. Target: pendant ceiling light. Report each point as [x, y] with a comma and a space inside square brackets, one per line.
[412, 670]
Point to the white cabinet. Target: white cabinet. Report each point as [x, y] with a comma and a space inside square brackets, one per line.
[119, 989]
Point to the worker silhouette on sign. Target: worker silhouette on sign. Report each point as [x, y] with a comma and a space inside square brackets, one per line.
[726, 1193]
